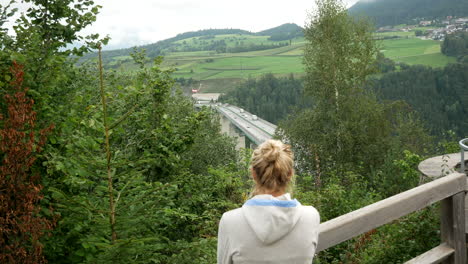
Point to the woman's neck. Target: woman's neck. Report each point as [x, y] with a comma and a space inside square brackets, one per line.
[276, 194]
[272, 193]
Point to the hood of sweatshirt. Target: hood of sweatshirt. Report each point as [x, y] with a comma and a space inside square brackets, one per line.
[271, 218]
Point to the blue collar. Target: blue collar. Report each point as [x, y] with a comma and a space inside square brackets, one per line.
[279, 203]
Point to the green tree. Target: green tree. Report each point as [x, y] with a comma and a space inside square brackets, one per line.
[167, 197]
[346, 126]
[43, 36]
[46, 19]
[455, 44]
[418, 33]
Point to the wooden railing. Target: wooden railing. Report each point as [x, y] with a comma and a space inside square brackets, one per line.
[450, 190]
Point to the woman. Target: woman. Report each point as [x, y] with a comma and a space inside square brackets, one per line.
[270, 227]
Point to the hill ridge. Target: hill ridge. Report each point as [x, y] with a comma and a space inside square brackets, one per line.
[284, 31]
[395, 12]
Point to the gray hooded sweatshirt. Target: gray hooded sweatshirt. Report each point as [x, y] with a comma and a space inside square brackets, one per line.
[268, 229]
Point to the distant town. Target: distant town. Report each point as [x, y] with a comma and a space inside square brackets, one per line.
[437, 29]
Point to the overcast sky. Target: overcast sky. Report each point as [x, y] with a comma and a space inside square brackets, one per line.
[138, 22]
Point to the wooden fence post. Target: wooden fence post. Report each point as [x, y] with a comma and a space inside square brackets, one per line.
[453, 227]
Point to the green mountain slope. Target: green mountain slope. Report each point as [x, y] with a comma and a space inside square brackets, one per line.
[158, 48]
[394, 12]
[284, 32]
[218, 40]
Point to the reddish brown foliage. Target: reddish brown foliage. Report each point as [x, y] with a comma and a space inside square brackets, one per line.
[359, 245]
[21, 226]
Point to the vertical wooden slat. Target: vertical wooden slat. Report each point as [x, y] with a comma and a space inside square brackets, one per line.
[459, 228]
[466, 214]
[453, 227]
[446, 220]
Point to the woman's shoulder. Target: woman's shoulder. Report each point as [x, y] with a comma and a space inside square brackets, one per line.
[310, 214]
[231, 215]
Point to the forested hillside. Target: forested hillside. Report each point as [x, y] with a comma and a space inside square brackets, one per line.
[456, 45]
[395, 12]
[440, 96]
[270, 97]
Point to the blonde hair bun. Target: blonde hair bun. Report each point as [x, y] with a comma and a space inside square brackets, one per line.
[273, 165]
[271, 150]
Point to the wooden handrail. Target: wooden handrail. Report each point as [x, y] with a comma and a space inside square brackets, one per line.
[367, 218]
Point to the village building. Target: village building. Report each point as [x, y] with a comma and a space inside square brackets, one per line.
[425, 23]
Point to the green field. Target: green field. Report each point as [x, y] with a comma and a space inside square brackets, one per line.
[208, 66]
[395, 48]
[242, 67]
[231, 40]
[288, 59]
[395, 33]
[434, 59]
[220, 71]
[415, 51]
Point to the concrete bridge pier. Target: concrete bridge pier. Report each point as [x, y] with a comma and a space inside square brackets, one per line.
[225, 124]
[229, 129]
